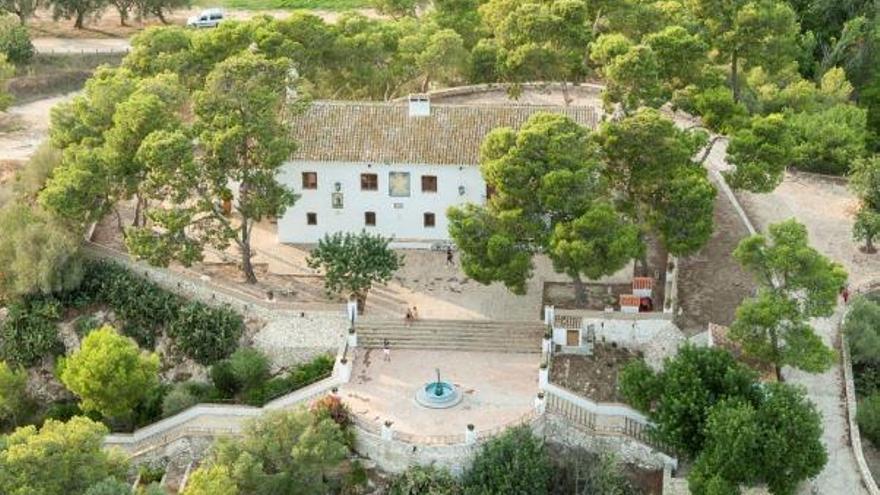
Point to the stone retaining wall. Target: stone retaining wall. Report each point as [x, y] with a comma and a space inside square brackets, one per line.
[851, 408]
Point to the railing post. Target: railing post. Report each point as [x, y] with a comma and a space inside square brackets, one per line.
[470, 435]
[387, 432]
[352, 337]
[540, 403]
[352, 310]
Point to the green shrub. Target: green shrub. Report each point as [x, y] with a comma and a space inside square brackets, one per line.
[206, 334]
[868, 416]
[579, 472]
[30, 331]
[308, 373]
[250, 368]
[85, 324]
[514, 462]
[150, 474]
[109, 486]
[829, 140]
[178, 399]
[15, 41]
[862, 328]
[224, 380]
[64, 410]
[418, 480]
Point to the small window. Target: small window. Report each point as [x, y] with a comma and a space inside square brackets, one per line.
[370, 218]
[310, 180]
[312, 218]
[429, 183]
[369, 182]
[429, 220]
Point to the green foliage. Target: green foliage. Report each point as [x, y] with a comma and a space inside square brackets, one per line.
[777, 442]
[797, 283]
[513, 462]
[15, 403]
[224, 379]
[206, 334]
[424, 480]
[578, 472]
[15, 42]
[250, 367]
[179, 398]
[109, 373]
[244, 376]
[862, 328]
[57, 459]
[30, 331]
[283, 452]
[648, 162]
[78, 10]
[867, 227]
[109, 486]
[352, 263]
[760, 153]
[829, 140]
[38, 254]
[719, 111]
[868, 416]
[678, 398]
[29, 180]
[214, 480]
[396, 8]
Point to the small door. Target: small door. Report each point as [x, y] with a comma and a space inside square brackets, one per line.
[573, 338]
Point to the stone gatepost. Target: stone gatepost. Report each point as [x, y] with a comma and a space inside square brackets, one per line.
[547, 342]
[540, 403]
[543, 376]
[549, 315]
[387, 432]
[470, 435]
[344, 370]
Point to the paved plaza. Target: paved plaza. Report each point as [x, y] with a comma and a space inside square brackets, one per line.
[498, 388]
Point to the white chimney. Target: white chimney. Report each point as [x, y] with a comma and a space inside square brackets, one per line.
[419, 105]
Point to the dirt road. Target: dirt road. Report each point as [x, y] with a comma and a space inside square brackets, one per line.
[30, 129]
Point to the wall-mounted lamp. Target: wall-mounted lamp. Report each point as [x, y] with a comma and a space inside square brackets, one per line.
[337, 186]
[461, 190]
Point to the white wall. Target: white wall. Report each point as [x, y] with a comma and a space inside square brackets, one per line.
[404, 223]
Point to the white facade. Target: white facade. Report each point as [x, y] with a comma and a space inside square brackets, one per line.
[399, 216]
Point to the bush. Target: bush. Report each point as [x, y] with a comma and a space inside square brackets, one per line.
[30, 331]
[308, 373]
[15, 41]
[178, 399]
[862, 327]
[250, 368]
[224, 379]
[109, 486]
[514, 462]
[85, 324]
[206, 334]
[868, 416]
[578, 472]
[424, 479]
[827, 141]
[150, 474]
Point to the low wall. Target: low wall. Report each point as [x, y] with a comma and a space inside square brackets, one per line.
[291, 334]
[395, 456]
[851, 409]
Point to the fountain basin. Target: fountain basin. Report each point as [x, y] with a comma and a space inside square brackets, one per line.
[438, 395]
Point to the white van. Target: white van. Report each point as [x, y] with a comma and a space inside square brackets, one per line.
[207, 19]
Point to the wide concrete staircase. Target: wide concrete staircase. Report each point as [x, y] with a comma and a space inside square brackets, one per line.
[452, 335]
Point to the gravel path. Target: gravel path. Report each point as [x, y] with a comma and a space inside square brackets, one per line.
[31, 129]
[84, 45]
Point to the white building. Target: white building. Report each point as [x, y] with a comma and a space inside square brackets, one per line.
[392, 168]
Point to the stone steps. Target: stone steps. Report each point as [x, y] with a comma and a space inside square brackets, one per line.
[476, 335]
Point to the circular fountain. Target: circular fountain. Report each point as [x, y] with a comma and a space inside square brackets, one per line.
[438, 394]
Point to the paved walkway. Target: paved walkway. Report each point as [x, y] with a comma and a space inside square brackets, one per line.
[499, 388]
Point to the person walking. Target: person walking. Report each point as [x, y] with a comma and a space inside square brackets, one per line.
[845, 294]
[449, 259]
[386, 350]
[408, 318]
[415, 313]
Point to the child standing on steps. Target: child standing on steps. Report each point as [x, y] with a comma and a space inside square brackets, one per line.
[386, 350]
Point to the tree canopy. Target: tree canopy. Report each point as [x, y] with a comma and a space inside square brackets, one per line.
[796, 283]
[109, 373]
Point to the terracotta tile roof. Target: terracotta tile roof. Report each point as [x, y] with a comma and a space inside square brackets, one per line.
[630, 300]
[384, 132]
